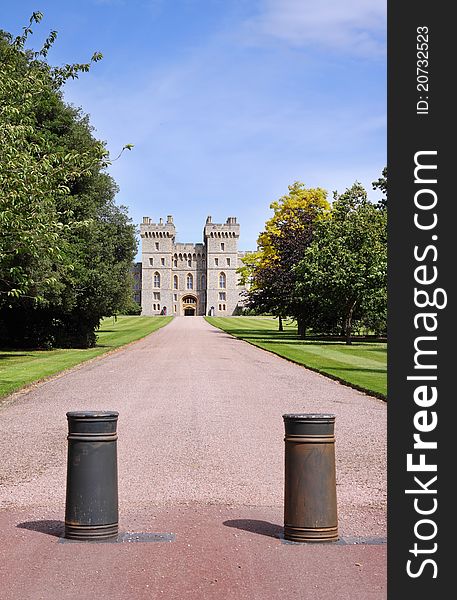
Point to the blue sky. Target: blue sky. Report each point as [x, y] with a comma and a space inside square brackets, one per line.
[227, 102]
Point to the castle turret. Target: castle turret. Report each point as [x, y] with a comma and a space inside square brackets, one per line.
[221, 242]
[157, 240]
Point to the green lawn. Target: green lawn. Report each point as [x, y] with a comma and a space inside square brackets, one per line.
[362, 365]
[22, 367]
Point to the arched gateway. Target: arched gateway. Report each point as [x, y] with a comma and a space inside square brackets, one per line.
[189, 306]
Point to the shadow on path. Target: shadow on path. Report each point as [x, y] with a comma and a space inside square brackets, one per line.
[49, 527]
[255, 526]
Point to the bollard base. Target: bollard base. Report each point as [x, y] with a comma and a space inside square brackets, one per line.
[91, 532]
[304, 534]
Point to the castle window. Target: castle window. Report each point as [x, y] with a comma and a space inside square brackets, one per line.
[189, 282]
[220, 306]
[222, 246]
[154, 307]
[156, 280]
[175, 262]
[175, 297]
[222, 280]
[151, 261]
[156, 295]
[228, 262]
[175, 282]
[203, 282]
[221, 295]
[216, 261]
[223, 307]
[174, 308]
[162, 262]
[157, 245]
[189, 262]
[158, 307]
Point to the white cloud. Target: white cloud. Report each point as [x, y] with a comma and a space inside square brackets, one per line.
[355, 27]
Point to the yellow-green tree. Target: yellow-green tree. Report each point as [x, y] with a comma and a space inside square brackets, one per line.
[269, 272]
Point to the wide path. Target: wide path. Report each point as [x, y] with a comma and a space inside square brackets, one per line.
[201, 451]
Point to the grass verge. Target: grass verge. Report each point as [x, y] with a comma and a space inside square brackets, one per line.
[19, 368]
[362, 365]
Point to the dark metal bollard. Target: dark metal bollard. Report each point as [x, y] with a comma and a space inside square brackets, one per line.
[91, 510]
[310, 508]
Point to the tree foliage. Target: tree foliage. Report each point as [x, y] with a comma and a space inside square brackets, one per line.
[269, 271]
[66, 247]
[381, 184]
[344, 269]
[324, 266]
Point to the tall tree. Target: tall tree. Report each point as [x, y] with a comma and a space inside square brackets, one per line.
[34, 176]
[287, 233]
[67, 248]
[344, 269]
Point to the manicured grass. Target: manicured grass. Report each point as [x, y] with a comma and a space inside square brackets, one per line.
[362, 365]
[22, 367]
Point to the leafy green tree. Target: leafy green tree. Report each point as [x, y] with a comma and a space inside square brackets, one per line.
[381, 184]
[67, 248]
[34, 176]
[344, 270]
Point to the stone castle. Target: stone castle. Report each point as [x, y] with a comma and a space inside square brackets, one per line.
[189, 279]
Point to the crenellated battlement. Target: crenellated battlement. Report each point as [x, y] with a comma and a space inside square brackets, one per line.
[149, 229]
[229, 229]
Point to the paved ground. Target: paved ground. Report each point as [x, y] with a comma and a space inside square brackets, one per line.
[201, 451]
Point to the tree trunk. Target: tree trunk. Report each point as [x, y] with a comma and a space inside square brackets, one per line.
[280, 325]
[301, 326]
[348, 323]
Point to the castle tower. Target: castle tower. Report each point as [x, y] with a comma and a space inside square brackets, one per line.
[157, 241]
[221, 243]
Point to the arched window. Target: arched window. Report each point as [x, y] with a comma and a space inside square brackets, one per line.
[175, 282]
[222, 280]
[156, 280]
[189, 282]
[203, 282]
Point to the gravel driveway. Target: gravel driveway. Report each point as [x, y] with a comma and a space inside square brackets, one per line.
[200, 428]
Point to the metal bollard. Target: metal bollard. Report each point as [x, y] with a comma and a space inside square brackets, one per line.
[91, 509]
[310, 507]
